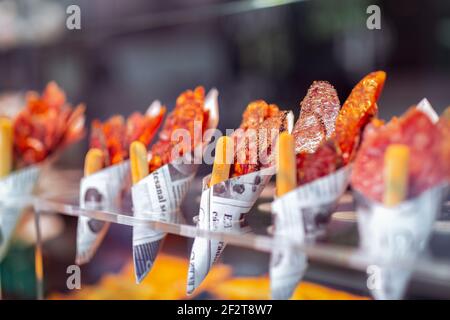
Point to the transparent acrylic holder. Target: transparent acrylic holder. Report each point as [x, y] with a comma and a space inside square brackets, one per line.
[431, 269]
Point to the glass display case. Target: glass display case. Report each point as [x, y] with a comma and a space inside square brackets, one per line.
[129, 53]
[334, 261]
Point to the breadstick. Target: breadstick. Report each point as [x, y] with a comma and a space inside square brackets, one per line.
[286, 166]
[6, 146]
[222, 160]
[138, 161]
[396, 170]
[93, 161]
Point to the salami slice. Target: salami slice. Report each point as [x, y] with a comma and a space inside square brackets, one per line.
[340, 149]
[311, 166]
[115, 135]
[356, 112]
[429, 148]
[316, 123]
[188, 115]
[46, 123]
[254, 137]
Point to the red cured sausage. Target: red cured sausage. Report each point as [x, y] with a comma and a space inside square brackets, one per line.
[256, 136]
[46, 124]
[429, 148]
[316, 123]
[339, 150]
[115, 135]
[188, 113]
[356, 112]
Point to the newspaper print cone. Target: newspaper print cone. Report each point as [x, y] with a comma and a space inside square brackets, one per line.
[14, 191]
[425, 106]
[400, 233]
[102, 191]
[300, 215]
[158, 197]
[221, 207]
[99, 191]
[397, 233]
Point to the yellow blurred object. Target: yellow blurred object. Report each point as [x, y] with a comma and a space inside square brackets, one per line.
[286, 165]
[258, 288]
[396, 166]
[446, 114]
[6, 146]
[311, 291]
[138, 161]
[93, 162]
[222, 161]
[167, 280]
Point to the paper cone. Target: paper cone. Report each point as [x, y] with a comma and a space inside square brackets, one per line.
[425, 106]
[302, 215]
[99, 191]
[102, 191]
[158, 196]
[287, 268]
[392, 234]
[220, 208]
[15, 192]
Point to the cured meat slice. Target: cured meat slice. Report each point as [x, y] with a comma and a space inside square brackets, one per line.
[110, 137]
[316, 123]
[339, 150]
[256, 112]
[444, 128]
[429, 149]
[115, 135]
[356, 112]
[254, 140]
[268, 132]
[47, 123]
[190, 118]
[311, 166]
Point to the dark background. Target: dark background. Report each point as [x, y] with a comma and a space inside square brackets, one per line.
[131, 52]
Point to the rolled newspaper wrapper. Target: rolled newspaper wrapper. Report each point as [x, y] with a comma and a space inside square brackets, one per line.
[15, 192]
[425, 106]
[301, 215]
[99, 191]
[221, 206]
[392, 234]
[102, 191]
[158, 196]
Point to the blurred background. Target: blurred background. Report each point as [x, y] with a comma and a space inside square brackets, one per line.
[130, 52]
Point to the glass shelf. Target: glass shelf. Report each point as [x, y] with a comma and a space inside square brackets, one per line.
[336, 250]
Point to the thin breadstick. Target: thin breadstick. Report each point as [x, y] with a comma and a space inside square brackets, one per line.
[222, 160]
[396, 170]
[286, 166]
[138, 161]
[6, 146]
[93, 162]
